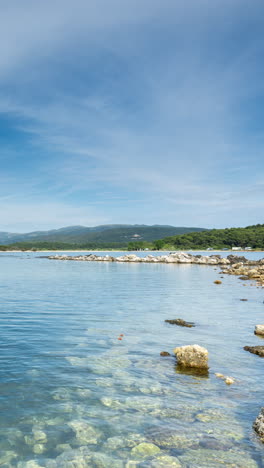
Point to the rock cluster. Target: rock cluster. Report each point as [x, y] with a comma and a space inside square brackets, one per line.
[258, 424]
[247, 270]
[192, 356]
[179, 257]
[259, 350]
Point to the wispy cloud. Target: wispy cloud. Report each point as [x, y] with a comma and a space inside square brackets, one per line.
[148, 101]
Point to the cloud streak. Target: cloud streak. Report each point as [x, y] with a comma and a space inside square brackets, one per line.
[148, 101]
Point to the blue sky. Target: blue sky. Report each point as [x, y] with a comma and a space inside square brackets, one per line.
[143, 111]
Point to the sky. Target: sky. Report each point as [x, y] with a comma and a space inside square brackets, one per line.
[131, 111]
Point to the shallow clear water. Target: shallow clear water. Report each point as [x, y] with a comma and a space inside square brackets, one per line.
[73, 395]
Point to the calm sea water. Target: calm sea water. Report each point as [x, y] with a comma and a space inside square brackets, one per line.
[73, 395]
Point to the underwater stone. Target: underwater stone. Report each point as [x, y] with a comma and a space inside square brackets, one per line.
[101, 460]
[40, 436]
[211, 415]
[79, 458]
[29, 464]
[38, 448]
[204, 458]
[7, 456]
[165, 461]
[115, 443]
[169, 439]
[145, 450]
[85, 433]
[63, 447]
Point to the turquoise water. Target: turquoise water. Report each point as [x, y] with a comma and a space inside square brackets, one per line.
[73, 395]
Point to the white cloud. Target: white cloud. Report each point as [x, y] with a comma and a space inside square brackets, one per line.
[177, 137]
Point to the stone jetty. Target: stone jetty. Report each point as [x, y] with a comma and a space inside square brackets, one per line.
[231, 265]
[179, 257]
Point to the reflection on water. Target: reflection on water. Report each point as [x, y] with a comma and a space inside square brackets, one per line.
[82, 382]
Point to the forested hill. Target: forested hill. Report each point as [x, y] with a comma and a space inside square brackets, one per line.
[250, 236]
[116, 233]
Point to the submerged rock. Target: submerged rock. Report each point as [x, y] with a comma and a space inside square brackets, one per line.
[101, 460]
[228, 380]
[171, 439]
[259, 350]
[165, 461]
[85, 433]
[205, 458]
[79, 458]
[117, 442]
[192, 356]
[39, 448]
[259, 330]
[145, 450]
[258, 425]
[181, 323]
[29, 464]
[7, 456]
[40, 436]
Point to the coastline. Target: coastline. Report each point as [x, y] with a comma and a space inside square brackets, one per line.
[234, 252]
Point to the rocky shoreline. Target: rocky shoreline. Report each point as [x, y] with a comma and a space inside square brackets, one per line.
[232, 265]
[179, 257]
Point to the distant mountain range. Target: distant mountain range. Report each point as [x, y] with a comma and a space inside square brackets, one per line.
[121, 233]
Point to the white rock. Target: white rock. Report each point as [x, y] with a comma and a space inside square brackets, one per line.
[259, 330]
[192, 356]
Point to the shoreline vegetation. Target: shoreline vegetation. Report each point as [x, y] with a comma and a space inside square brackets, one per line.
[250, 238]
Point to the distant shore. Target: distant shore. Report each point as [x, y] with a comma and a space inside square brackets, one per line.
[140, 251]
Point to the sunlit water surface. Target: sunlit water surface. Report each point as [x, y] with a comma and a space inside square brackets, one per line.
[74, 395]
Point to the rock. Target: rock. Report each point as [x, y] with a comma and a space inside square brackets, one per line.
[40, 436]
[101, 460]
[259, 330]
[205, 458]
[79, 458]
[29, 464]
[171, 439]
[244, 300]
[192, 356]
[145, 450]
[217, 282]
[259, 350]
[85, 433]
[129, 441]
[211, 415]
[258, 425]
[213, 444]
[7, 456]
[39, 448]
[181, 323]
[63, 447]
[165, 461]
[229, 381]
[164, 353]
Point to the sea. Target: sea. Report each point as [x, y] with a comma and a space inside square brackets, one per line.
[82, 382]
